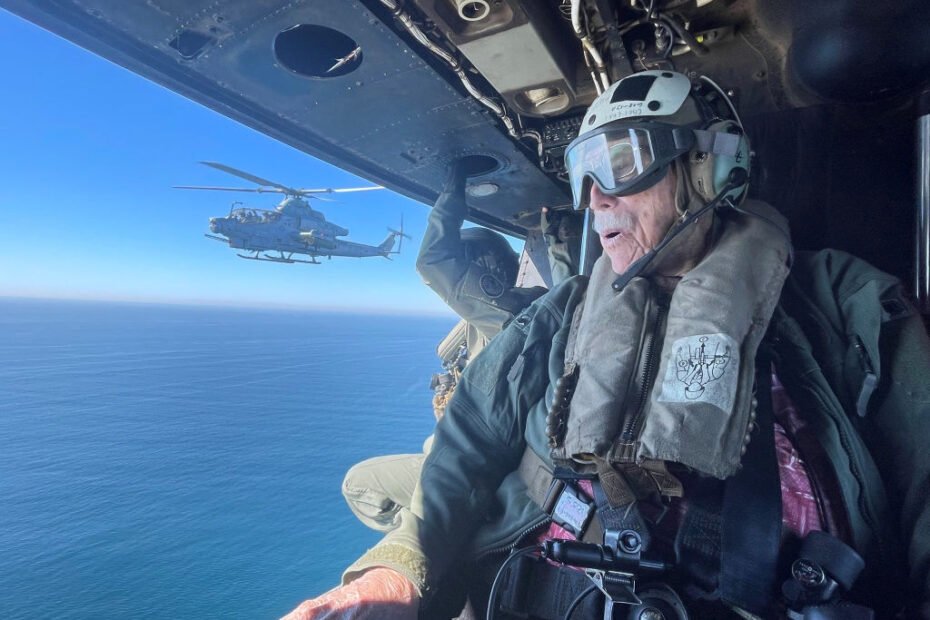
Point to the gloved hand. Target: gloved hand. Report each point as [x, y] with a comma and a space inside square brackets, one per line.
[556, 225]
[451, 201]
[549, 222]
[379, 594]
[553, 224]
[456, 176]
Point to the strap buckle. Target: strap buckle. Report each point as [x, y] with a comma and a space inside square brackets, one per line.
[567, 507]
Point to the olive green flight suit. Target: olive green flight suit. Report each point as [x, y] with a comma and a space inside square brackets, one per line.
[471, 291]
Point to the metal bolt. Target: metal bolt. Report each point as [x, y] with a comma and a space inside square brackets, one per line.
[630, 542]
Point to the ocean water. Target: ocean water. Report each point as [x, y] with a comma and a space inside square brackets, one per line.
[182, 462]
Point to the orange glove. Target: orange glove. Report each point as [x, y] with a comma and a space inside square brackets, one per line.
[379, 594]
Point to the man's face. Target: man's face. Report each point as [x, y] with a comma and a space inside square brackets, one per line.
[631, 226]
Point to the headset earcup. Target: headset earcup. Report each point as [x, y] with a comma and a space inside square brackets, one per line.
[709, 171]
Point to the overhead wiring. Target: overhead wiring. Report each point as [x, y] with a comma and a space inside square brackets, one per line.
[671, 26]
[497, 108]
[589, 46]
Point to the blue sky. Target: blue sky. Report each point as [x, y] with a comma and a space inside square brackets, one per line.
[90, 152]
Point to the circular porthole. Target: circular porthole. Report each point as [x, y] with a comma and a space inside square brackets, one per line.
[476, 165]
[316, 51]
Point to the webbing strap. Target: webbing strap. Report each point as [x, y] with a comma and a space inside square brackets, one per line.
[697, 543]
[536, 475]
[620, 518]
[752, 513]
[717, 142]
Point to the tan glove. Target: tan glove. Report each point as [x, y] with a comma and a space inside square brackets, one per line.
[379, 594]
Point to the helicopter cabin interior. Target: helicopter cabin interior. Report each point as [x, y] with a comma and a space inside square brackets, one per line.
[834, 95]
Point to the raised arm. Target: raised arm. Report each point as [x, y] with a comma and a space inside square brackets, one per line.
[442, 262]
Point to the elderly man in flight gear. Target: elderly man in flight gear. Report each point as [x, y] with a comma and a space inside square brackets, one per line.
[720, 437]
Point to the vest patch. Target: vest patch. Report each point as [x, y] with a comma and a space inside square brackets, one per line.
[702, 368]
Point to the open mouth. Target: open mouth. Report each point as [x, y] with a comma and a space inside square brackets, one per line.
[615, 233]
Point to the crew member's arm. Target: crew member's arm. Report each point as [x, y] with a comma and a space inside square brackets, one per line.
[379, 594]
[442, 262]
[445, 267]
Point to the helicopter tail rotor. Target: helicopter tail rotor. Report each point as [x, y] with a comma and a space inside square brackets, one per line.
[398, 233]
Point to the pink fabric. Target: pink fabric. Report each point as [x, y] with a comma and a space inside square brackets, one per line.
[799, 510]
[818, 478]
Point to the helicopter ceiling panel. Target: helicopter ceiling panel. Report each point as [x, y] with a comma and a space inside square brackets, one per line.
[326, 77]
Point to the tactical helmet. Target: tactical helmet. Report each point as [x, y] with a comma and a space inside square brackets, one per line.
[635, 129]
[491, 251]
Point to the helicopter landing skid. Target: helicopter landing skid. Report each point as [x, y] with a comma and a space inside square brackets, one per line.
[279, 259]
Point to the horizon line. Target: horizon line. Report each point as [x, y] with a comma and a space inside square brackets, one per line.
[214, 303]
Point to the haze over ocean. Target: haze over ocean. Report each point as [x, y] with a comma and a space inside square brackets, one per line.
[185, 462]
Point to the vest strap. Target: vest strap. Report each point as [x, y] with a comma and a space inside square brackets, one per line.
[752, 512]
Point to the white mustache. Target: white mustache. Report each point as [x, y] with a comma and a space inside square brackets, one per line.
[612, 220]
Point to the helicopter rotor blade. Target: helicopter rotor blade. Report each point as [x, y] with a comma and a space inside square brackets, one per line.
[257, 190]
[341, 190]
[250, 177]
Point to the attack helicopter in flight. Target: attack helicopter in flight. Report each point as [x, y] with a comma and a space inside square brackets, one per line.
[292, 227]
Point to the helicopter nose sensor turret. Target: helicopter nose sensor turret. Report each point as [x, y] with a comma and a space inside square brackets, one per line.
[217, 224]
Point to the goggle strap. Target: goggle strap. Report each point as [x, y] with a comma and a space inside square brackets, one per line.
[717, 142]
[684, 139]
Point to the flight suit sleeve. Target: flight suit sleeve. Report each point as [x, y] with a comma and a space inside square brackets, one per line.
[445, 268]
[442, 262]
[900, 427]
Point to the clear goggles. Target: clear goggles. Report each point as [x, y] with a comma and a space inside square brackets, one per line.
[622, 159]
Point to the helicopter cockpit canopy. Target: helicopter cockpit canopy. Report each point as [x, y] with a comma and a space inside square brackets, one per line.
[247, 215]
